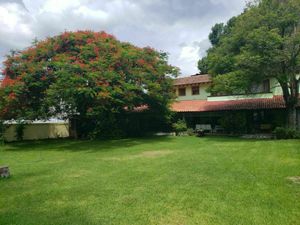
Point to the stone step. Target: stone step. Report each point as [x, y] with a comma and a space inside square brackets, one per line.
[4, 172]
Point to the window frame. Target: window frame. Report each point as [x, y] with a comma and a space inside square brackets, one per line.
[266, 86]
[181, 94]
[198, 90]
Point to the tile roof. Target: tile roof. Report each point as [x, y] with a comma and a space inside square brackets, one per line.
[196, 79]
[276, 102]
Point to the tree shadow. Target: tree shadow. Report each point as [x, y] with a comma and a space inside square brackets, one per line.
[82, 145]
[232, 139]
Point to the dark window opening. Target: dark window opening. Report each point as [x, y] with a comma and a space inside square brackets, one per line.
[195, 90]
[181, 92]
[266, 86]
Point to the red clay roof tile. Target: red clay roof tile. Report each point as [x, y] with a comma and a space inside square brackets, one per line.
[276, 102]
[196, 79]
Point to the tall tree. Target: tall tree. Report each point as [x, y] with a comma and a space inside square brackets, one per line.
[216, 33]
[203, 65]
[87, 75]
[263, 43]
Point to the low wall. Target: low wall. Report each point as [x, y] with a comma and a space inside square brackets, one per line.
[38, 131]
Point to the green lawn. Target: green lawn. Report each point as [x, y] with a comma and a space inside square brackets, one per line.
[165, 180]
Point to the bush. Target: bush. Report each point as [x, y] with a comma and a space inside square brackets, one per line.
[20, 127]
[285, 133]
[179, 127]
[2, 131]
[297, 135]
[234, 122]
[280, 133]
[191, 132]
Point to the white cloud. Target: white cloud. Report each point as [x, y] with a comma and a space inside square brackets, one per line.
[86, 12]
[15, 29]
[59, 6]
[189, 53]
[13, 18]
[164, 25]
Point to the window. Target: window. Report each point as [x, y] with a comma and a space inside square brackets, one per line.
[195, 90]
[266, 86]
[181, 91]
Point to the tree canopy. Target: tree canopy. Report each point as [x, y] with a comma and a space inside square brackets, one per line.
[216, 33]
[203, 65]
[261, 43]
[85, 75]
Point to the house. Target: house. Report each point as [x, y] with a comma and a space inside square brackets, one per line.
[261, 111]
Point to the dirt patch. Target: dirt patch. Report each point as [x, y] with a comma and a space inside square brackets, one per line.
[146, 154]
[155, 154]
[174, 218]
[295, 180]
[77, 174]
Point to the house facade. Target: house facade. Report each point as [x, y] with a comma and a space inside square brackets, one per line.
[261, 111]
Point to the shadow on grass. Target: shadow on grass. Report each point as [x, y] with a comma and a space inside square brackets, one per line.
[232, 139]
[82, 145]
[108, 145]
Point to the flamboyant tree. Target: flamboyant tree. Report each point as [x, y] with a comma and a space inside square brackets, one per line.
[84, 75]
[262, 43]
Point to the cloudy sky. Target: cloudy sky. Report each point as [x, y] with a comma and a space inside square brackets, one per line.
[179, 27]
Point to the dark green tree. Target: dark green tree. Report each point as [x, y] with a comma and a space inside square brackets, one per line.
[262, 43]
[216, 32]
[203, 65]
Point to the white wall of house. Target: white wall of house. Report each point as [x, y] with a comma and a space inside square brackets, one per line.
[275, 89]
[203, 93]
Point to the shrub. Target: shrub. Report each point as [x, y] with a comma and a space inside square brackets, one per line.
[297, 136]
[234, 122]
[191, 132]
[285, 133]
[179, 127]
[280, 133]
[2, 131]
[20, 126]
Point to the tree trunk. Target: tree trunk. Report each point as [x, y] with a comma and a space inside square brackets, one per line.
[292, 118]
[291, 96]
[73, 128]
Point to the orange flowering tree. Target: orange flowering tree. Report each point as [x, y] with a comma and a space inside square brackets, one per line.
[90, 76]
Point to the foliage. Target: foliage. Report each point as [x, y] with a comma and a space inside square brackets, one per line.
[20, 127]
[2, 130]
[234, 122]
[285, 133]
[219, 30]
[216, 32]
[86, 76]
[190, 132]
[233, 83]
[180, 126]
[203, 65]
[261, 43]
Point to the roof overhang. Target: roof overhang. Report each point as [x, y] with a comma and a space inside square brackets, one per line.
[277, 102]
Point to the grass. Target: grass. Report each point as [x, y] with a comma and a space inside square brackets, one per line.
[166, 180]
